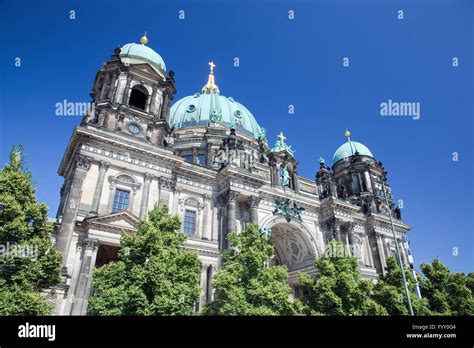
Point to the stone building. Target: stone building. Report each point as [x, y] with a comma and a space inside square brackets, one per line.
[208, 159]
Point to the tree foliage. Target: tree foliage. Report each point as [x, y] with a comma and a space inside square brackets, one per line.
[447, 293]
[337, 287]
[390, 291]
[154, 275]
[246, 285]
[29, 262]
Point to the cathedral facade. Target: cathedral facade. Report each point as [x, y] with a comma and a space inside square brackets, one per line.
[206, 157]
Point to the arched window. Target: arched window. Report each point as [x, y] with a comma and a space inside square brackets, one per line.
[138, 98]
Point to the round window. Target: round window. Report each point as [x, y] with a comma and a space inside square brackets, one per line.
[237, 113]
[191, 108]
[134, 128]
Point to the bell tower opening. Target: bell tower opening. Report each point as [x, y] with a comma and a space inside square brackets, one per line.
[138, 98]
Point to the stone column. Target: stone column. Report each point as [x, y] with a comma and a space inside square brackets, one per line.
[337, 229]
[351, 238]
[231, 214]
[368, 181]
[74, 279]
[369, 251]
[253, 203]
[103, 166]
[203, 284]
[381, 252]
[206, 228]
[145, 195]
[63, 239]
[82, 290]
[403, 253]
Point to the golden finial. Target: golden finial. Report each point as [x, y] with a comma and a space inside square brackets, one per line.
[347, 134]
[144, 39]
[210, 86]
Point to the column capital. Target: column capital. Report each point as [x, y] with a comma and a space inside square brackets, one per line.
[254, 201]
[88, 244]
[166, 183]
[103, 165]
[82, 162]
[148, 177]
[231, 196]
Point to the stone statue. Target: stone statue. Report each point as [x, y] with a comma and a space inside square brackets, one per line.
[284, 176]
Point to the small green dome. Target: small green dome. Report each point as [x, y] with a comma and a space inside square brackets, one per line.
[350, 148]
[196, 110]
[143, 52]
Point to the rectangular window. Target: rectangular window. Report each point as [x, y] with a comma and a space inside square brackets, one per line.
[188, 158]
[190, 222]
[202, 160]
[120, 200]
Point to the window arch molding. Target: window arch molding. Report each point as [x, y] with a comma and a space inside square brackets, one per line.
[123, 182]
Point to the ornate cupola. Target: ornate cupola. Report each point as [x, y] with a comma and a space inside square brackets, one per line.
[359, 178]
[283, 165]
[132, 94]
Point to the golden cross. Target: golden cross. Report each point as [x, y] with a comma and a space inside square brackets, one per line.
[212, 65]
[282, 137]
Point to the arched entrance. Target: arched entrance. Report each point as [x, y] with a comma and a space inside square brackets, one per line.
[292, 247]
[295, 247]
[294, 244]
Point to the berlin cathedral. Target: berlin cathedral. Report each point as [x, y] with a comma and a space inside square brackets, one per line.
[206, 157]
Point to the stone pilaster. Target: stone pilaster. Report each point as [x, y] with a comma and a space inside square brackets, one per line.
[63, 239]
[145, 195]
[104, 86]
[253, 203]
[216, 222]
[103, 166]
[112, 85]
[126, 92]
[81, 293]
[206, 228]
[152, 103]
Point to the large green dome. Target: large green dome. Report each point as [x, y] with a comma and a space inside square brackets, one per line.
[349, 149]
[143, 52]
[196, 110]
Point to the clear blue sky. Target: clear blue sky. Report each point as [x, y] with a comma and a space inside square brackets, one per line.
[282, 62]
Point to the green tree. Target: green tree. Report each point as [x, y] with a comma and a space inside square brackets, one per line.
[390, 291]
[29, 262]
[154, 275]
[245, 285]
[337, 287]
[447, 293]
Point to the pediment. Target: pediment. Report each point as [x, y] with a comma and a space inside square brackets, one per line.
[122, 220]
